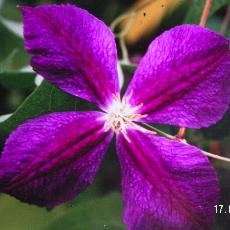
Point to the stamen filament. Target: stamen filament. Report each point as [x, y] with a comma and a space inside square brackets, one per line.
[120, 115]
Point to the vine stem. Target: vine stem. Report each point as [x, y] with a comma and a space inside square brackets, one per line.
[121, 35]
[159, 131]
[215, 156]
[124, 51]
[182, 131]
[205, 13]
[184, 141]
[119, 19]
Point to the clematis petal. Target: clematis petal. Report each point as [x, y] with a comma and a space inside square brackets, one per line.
[185, 77]
[165, 184]
[51, 159]
[73, 50]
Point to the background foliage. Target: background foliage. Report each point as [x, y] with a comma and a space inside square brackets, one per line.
[100, 207]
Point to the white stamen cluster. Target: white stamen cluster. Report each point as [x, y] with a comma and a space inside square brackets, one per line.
[121, 115]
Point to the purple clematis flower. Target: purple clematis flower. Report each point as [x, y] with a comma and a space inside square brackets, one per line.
[183, 80]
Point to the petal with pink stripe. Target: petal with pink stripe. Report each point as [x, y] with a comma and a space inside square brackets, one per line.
[184, 78]
[51, 159]
[165, 184]
[73, 50]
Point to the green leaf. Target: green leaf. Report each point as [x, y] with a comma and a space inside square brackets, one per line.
[10, 11]
[9, 41]
[17, 80]
[196, 8]
[16, 215]
[14, 26]
[45, 99]
[26, 217]
[96, 214]
[7, 64]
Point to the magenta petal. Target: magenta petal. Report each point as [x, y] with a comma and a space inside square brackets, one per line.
[51, 159]
[165, 184]
[73, 50]
[185, 77]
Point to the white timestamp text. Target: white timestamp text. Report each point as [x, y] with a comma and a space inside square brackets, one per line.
[222, 209]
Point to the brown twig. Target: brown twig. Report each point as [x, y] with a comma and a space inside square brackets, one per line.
[224, 26]
[181, 133]
[205, 13]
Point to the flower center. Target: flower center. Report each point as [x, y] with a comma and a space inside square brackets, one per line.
[120, 115]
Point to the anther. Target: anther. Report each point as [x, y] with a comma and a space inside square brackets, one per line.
[121, 115]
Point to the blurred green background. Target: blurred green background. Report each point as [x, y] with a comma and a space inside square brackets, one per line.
[100, 206]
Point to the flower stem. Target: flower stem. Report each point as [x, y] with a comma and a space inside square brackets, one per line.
[205, 13]
[121, 35]
[124, 51]
[224, 27]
